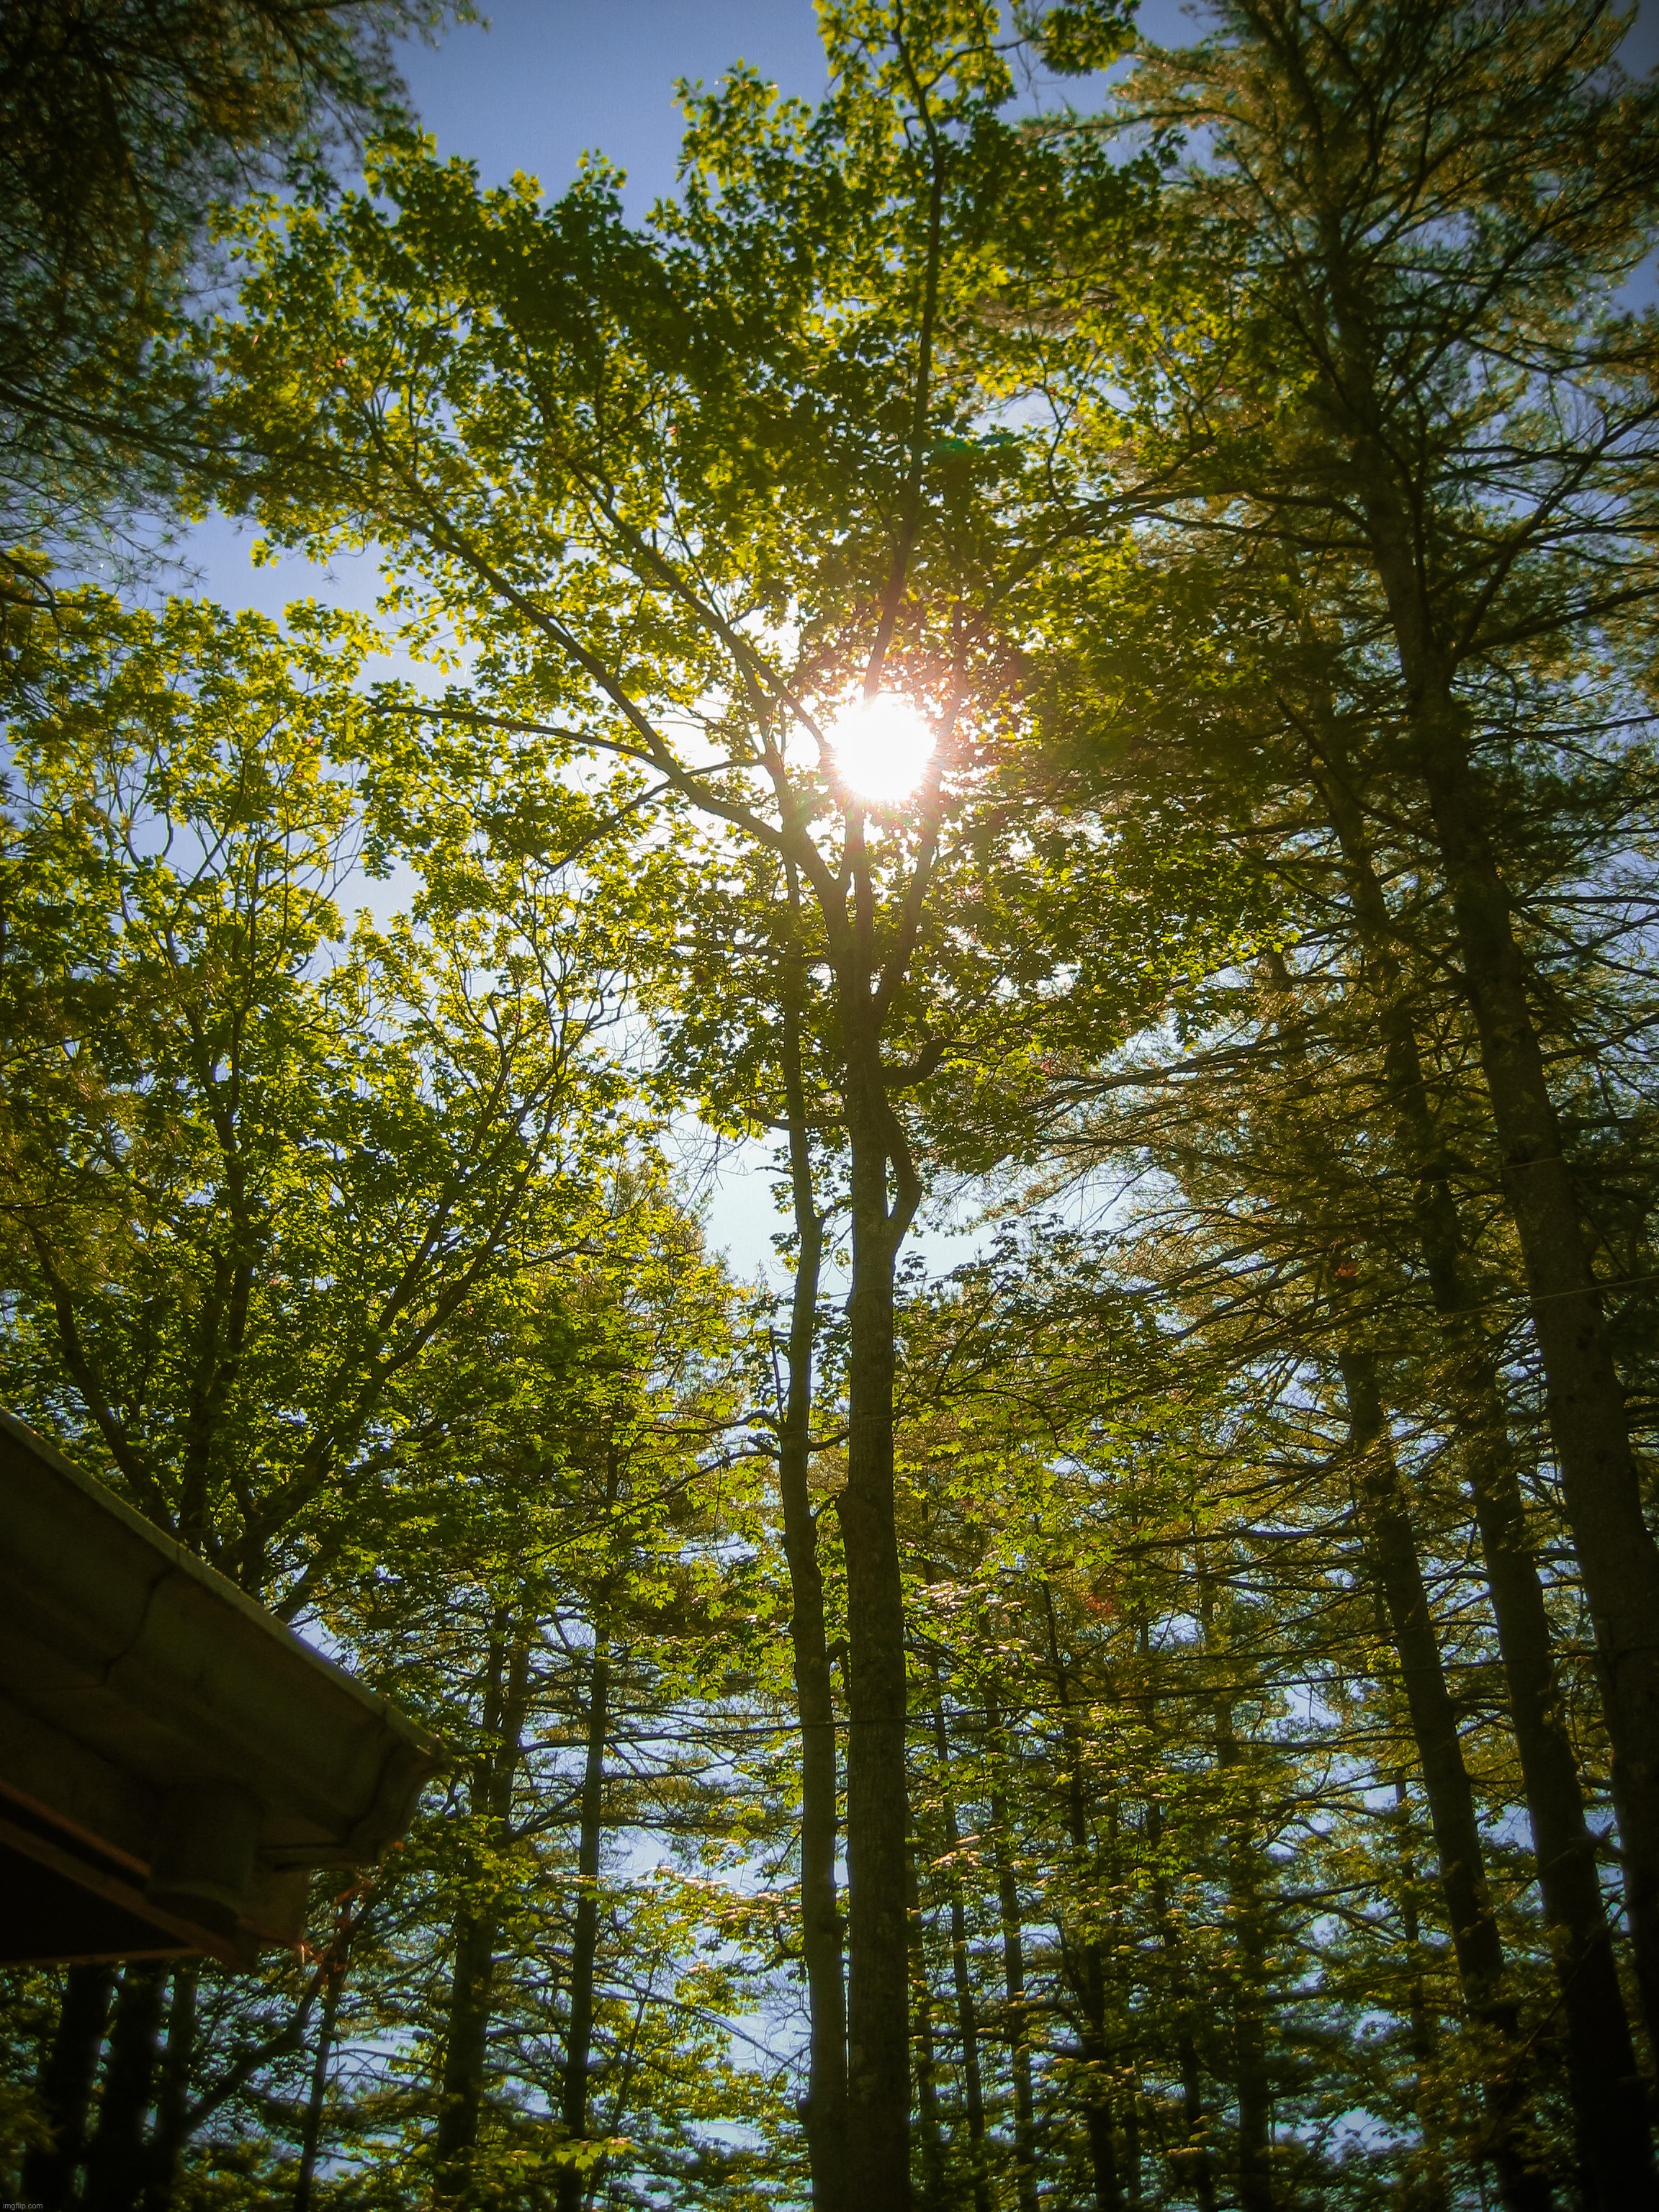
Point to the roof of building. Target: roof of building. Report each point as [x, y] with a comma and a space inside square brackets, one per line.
[175, 1760]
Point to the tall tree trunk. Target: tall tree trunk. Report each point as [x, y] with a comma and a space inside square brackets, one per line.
[1013, 1971]
[1131, 2146]
[1426, 2193]
[934, 2193]
[115, 2159]
[1392, 1549]
[1250, 2077]
[310, 2132]
[1086, 1967]
[472, 1989]
[1609, 2112]
[66, 2080]
[172, 2100]
[824, 2114]
[877, 1995]
[466, 2047]
[585, 1939]
[1019, 2023]
[1618, 1557]
[973, 2086]
[1194, 2169]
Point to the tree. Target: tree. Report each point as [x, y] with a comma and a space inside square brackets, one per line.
[255, 1167]
[1430, 391]
[122, 125]
[714, 479]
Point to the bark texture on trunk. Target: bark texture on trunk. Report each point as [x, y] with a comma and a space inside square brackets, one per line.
[878, 1819]
[1610, 2109]
[824, 2114]
[1391, 1547]
[66, 2080]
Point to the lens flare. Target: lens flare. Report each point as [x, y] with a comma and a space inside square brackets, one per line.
[882, 746]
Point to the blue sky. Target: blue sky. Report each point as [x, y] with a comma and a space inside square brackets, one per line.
[552, 78]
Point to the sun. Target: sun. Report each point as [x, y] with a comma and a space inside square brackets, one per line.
[882, 746]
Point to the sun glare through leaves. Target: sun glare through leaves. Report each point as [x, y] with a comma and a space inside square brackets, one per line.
[882, 746]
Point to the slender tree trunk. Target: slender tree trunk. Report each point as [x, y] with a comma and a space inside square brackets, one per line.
[585, 1940]
[1615, 2147]
[1194, 2169]
[1392, 1548]
[311, 2133]
[1428, 2192]
[878, 1996]
[1194, 2166]
[1019, 2026]
[466, 2047]
[934, 2192]
[1087, 1969]
[824, 2114]
[1013, 1971]
[1255, 2178]
[115, 2159]
[1131, 2146]
[66, 2080]
[1089, 1981]
[973, 2086]
[472, 1989]
[172, 2100]
[1618, 1557]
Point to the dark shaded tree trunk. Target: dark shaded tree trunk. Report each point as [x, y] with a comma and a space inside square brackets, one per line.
[466, 2045]
[172, 2100]
[1618, 1557]
[66, 2080]
[824, 2114]
[1609, 2110]
[1019, 2023]
[877, 1993]
[1086, 1966]
[115, 2158]
[1427, 2193]
[1132, 2146]
[935, 2196]
[1193, 2166]
[311, 2133]
[1255, 2110]
[1251, 2077]
[1013, 1973]
[973, 2085]
[584, 1939]
[472, 1989]
[1391, 1547]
